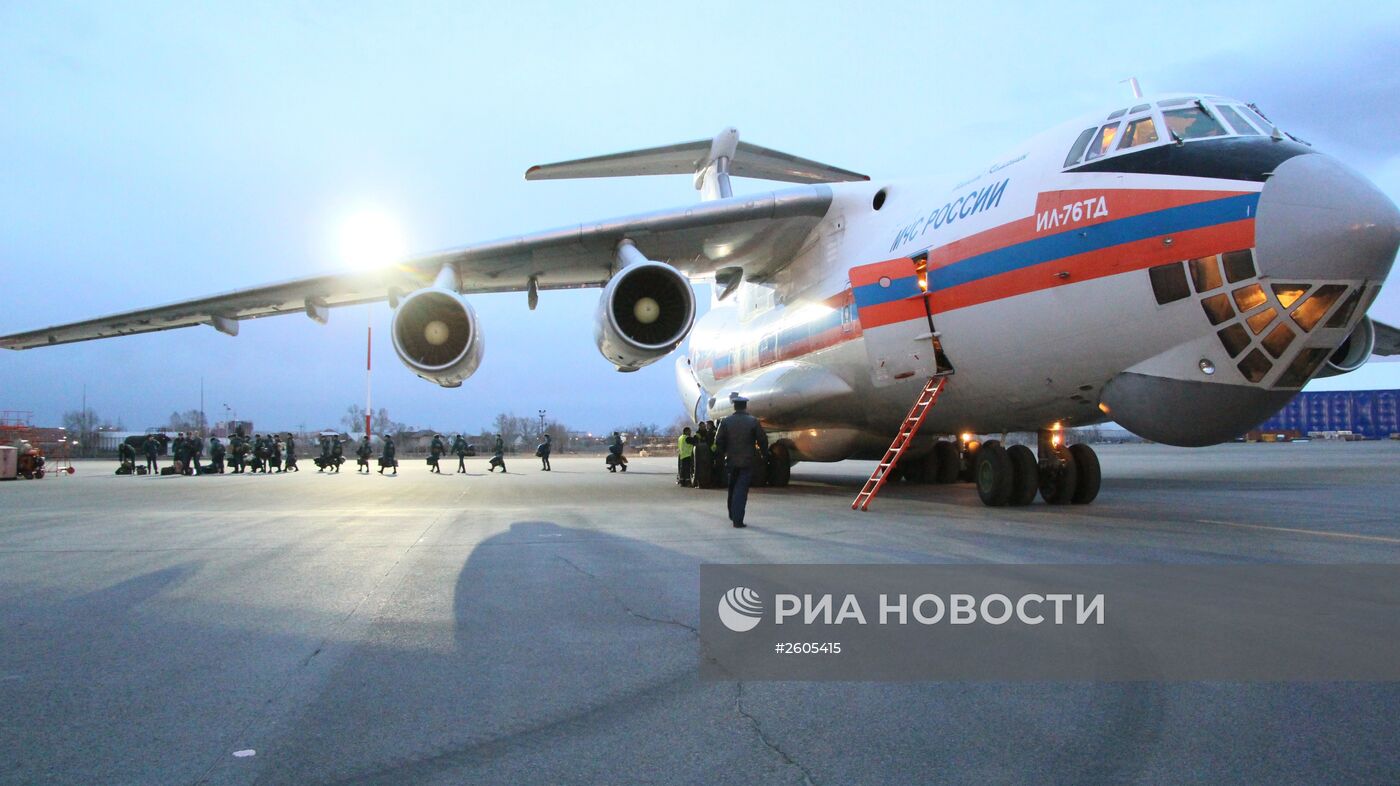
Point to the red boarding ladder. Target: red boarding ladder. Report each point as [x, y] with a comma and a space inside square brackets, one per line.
[911, 425]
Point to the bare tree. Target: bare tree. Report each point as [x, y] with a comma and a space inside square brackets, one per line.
[81, 424]
[189, 420]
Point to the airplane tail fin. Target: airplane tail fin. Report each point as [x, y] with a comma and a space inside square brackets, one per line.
[709, 161]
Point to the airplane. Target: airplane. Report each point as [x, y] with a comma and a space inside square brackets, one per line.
[1177, 264]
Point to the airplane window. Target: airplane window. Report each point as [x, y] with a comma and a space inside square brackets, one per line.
[1217, 308]
[1259, 321]
[1175, 101]
[1278, 340]
[1288, 294]
[1249, 297]
[1343, 314]
[1255, 366]
[1257, 118]
[1140, 108]
[1234, 339]
[1205, 273]
[1192, 123]
[1168, 283]
[1239, 265]
[1302, 368]
[1139, 132]
[1103, 142]
[1312, 310]
[1117, 114]
[1079, 145]
[1237, 122]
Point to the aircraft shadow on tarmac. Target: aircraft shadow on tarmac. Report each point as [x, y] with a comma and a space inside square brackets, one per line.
[573, 657]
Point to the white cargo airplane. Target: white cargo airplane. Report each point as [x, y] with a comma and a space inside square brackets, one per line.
[1176, 264]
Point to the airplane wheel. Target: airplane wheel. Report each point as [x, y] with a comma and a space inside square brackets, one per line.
[779, 466]
[948, 461]
[1025, 475]
[994, 474]
[1086, 486]
[1058, 482]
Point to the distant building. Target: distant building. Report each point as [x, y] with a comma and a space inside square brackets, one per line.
[1371, 414]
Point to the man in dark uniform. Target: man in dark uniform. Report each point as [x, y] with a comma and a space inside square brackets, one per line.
[742, 442]
[542, 450]
[337, 454]
[387, 458]
[616, 459]
[498, 457]
[151, 449]
[275, 444]
[291, 456]
[362, 454]
[126, 454]
[459, 446]
[435, 452]
[704, 463]
[216, 456]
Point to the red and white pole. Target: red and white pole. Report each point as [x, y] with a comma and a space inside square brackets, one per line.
[369, 344]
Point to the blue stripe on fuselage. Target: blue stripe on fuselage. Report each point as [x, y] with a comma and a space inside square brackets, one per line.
[1094, 238]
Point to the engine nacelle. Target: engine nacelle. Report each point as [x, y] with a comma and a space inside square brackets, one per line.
[1352, 353]
[646, 311]
[437, 336]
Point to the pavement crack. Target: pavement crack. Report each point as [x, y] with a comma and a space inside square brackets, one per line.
[623, 604]
[767, 741]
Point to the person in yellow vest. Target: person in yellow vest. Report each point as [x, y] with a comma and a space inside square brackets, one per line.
[685, 458]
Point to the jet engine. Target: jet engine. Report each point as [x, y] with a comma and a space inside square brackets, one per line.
[437, 336]
[1352, 353]
[645, 312]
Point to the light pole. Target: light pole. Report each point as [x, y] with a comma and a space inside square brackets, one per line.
[369, 344]
[542, 421]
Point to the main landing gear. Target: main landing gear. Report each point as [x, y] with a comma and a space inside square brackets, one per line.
[1012, 476]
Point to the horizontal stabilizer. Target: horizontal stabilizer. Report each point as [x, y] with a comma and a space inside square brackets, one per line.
[724, 154]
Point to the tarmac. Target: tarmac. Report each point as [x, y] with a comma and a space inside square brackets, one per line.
[541, 627]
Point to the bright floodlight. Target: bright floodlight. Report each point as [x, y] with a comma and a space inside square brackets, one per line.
[371, 239]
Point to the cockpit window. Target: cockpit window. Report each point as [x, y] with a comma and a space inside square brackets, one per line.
[1237, 122]
[1257, 118]
[1103, 142]
[1192, 123]
[1079, 145]
[1141, 131]
[1117, 114]
[1140, 108]
[1175, 101]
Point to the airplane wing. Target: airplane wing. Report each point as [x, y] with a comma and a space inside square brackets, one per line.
[1387, 339]
[759, 233]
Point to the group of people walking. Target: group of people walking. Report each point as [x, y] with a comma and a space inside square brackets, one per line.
[726, 454]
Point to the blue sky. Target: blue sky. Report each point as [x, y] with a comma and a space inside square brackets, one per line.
[156, 152]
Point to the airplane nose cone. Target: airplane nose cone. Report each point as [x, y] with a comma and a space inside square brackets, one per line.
[1319, 219]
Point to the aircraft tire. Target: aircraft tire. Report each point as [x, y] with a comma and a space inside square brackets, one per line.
[1025, 475]
[1086, 486]
[994, 474]
[948, 461]
[1058, 483]
[779, 466]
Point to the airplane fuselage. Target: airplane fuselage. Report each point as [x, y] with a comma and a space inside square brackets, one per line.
[1140, 265]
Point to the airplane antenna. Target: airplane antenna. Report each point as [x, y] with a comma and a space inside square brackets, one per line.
[1132, 81]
